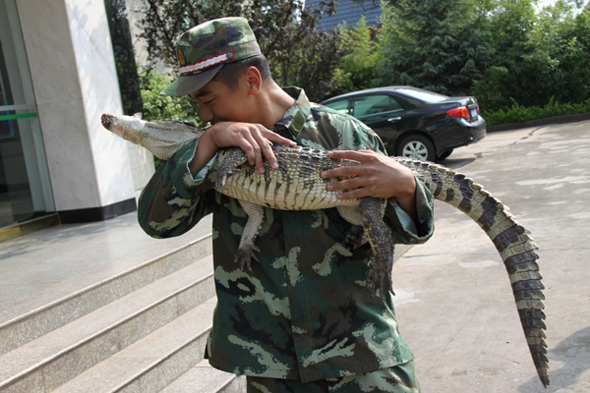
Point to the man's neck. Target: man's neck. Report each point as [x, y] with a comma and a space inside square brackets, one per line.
[276, 101]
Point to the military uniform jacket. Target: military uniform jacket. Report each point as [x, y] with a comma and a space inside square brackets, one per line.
[304, 312]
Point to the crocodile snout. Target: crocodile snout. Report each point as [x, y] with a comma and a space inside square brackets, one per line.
[107, 121]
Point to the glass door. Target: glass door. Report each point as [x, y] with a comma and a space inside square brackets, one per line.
[25, 189]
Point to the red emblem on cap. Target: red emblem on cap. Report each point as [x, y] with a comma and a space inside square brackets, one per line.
[181, 57]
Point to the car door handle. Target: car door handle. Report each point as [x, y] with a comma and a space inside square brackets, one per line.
[393, 119]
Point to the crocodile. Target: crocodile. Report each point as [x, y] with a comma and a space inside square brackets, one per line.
[297, 185]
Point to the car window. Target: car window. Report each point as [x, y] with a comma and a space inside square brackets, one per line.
[373, 104]
[340, 105]
[424, 95]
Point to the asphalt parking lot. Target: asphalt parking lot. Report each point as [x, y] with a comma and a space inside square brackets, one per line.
[454, 302]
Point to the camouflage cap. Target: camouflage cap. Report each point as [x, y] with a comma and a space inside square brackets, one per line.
[205, 48]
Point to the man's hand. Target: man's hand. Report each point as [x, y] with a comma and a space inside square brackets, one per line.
[254, 139]
[378, 176]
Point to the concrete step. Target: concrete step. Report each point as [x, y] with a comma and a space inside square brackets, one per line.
[152, 363]
[203, 378]
[56, 357]
[50, 309]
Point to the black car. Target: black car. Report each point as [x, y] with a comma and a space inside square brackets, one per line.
[414, 122]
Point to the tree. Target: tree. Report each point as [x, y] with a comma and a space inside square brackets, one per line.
[160, 107]
[563, 35]
[358, 69]
[124, 55]
[298, 51]
[432, 44]
[540, 56]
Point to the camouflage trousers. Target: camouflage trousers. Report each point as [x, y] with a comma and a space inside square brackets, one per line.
[398, 379]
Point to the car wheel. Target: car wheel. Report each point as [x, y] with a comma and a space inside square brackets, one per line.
[418, 147]
[446, 154]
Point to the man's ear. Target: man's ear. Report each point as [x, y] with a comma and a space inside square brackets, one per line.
[253, 80]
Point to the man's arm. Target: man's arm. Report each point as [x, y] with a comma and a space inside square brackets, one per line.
[254, 139]
[175, 199]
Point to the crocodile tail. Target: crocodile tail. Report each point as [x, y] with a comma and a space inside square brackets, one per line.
[512, 241]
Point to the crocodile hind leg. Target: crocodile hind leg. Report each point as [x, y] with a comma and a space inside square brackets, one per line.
[370, 216]
[247, 247]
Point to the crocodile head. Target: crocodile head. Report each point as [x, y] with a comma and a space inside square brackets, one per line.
[162, 138]
[130, 128]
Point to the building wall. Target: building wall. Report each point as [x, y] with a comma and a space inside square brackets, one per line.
[75, 81]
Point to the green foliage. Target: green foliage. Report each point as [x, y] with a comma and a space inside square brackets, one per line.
[299, 52]
[501, 51]
[123, 52]
[158, 107]
[518, 113]
[539, 55]
[358, 69]
[433, 45]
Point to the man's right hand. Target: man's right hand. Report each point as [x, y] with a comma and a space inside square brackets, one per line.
[254, 139]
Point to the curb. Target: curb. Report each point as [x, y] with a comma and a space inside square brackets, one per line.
[540, 122]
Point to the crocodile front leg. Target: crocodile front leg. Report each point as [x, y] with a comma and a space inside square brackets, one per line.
[247, 247]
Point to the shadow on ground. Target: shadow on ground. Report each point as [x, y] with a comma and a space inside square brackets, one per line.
[569, 351]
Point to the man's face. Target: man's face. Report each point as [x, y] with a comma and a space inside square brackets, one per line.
[217, 103]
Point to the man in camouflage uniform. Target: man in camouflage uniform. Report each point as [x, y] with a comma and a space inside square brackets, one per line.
[303, 320]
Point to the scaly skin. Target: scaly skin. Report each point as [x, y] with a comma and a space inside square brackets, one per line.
[301, 168]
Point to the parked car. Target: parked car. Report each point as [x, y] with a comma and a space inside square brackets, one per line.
[414, 122]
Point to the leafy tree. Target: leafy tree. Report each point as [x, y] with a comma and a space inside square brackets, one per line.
[124, 55]
[298, 52]
[540, 56]
[563, 34]
[358, 69]
[159, 107]
[433, 45]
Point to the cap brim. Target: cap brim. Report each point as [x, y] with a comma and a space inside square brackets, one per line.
[187, 84]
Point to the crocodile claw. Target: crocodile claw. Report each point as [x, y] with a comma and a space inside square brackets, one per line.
[379, 281]
[245, 254]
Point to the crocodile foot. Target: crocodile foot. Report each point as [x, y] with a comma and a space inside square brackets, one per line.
[245, 254]
[380, 279]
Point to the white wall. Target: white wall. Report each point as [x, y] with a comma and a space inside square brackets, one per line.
[75, 81]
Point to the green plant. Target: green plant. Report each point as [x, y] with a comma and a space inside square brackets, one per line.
[358, 69]
[432, 44]
[159, 107]
[518, 113]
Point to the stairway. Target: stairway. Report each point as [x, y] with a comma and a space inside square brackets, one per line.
[140, 329]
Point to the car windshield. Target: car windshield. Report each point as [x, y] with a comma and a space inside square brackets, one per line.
[423, 95]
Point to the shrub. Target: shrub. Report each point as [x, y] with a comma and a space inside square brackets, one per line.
[517, 113]
[157, 107]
